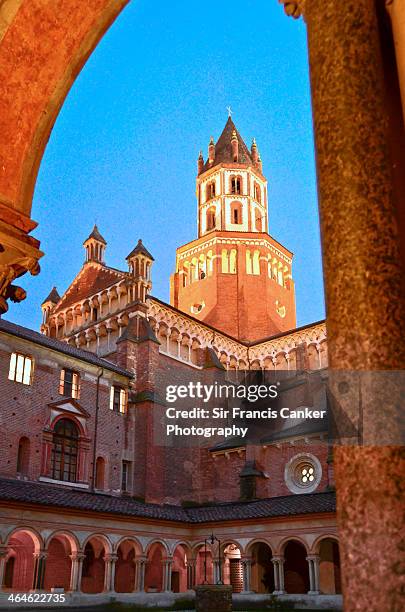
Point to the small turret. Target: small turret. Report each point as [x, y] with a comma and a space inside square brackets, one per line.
[49, 303]
[140, 264]
[235, 146]
[95, 246]
[211, 150]
[200, 163]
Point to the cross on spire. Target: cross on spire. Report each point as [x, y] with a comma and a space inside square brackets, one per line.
[228, 108]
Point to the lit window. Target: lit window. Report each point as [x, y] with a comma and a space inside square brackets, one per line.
[303, 473]
[69, 384]
[20, 368]
[118, 399]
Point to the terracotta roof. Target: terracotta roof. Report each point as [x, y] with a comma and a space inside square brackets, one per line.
[65, 497]
[96, 235]
[140, 248]
[92, 278]
[223, 148]
[53, 297]
[61, 347]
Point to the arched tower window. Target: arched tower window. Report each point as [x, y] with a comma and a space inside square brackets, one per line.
[210, 263]
[258, 193]
[236, 185]
[236, 212]
[258, 220]
[210, 190]
[211, 218]
[65, 451]
[23, 456]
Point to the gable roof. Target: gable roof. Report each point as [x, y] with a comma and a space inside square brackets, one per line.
[92, 278]
[61, 347]
[223, 148]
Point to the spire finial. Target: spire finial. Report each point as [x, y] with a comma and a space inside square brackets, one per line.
[230, 111]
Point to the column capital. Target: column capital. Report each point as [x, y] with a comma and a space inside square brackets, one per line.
[77, 556]
[110, 557]
[3, 551]
[294, 8]
[41, 554]
[312, 558]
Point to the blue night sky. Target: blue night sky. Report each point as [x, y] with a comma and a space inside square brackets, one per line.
[124, 148]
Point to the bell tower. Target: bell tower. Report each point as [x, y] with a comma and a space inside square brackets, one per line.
[234, 276]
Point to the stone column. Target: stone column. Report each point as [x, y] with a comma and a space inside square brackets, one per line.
[167, 574]
[76, 570]
[191, 573]
[247, 567]
[313, 569]
[140, 573]
[109, 575]
[278, 566]
[217, 571]
[3, 555]
[362, 271]
[39, 569]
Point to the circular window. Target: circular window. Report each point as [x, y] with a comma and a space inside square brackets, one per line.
[303, 473]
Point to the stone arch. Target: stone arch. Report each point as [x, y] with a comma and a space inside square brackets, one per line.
[76, 29]
[180, 573]
[70, 536]
[156, 552]
[296, 570]
[96, 547]
[262, 571]
[21, 566]
[327, 548]
[58, 567]
[127, 550]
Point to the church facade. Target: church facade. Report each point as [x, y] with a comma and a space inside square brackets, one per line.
[92, 501]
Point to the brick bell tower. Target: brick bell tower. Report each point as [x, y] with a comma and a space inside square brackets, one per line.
[234, 276]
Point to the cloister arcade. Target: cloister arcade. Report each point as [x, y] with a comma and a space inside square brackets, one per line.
[98, 564]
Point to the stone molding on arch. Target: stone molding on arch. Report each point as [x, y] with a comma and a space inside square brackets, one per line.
[46, 65]
[63, 533]
[314, 549]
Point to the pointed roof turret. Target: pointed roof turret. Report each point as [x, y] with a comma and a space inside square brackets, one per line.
[140, 248]
[95, 246]
[53, 297]
[224, 153]
[95, 234]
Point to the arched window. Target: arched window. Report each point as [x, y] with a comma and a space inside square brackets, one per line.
[258, 193]
[211, 218]
[232, 261]
[23, 456]
[225, 261]
[236, 212]
[65, 450]
[249, 268]
[256, 262]
[210, 191]
[236, 185]
[210, 263]
[100, 473]
[258, 220]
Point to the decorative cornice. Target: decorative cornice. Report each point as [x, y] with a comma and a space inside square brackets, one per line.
[294, 8]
